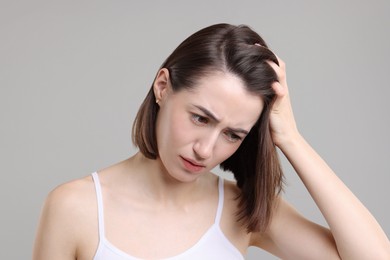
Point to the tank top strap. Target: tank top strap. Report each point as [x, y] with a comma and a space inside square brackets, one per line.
[220, 200]
[99, 198]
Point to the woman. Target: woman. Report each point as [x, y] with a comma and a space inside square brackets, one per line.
[220, 98]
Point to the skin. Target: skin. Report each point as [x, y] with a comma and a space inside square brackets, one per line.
[138, 189]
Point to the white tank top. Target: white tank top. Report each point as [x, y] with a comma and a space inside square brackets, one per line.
[212, 245]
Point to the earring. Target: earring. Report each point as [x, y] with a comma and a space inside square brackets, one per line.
[157, 101]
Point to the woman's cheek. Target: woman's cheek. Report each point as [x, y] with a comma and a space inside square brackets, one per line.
[224, 150]
[181, 129]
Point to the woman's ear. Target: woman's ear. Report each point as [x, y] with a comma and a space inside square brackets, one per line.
[161, 85]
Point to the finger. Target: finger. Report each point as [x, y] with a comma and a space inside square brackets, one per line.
[282, 64]
[280, 86]
[279, 89]
[279, 70]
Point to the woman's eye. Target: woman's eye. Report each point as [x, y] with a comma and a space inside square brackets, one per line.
[200, 120]
[232, 137]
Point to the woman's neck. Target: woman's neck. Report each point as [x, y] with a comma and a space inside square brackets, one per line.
[157, 184]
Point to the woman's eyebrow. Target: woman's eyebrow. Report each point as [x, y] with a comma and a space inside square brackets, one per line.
[215, 119]
[238, 130]
[208, 113]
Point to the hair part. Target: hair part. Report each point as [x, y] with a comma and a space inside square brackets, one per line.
[255, 164]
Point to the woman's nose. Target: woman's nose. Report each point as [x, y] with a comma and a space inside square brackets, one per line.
[204, 146]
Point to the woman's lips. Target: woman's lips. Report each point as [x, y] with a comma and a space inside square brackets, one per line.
[192, 165]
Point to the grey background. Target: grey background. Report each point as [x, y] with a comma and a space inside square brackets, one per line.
[73, 73]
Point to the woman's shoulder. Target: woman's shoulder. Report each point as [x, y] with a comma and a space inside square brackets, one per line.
[233, 229]
[71, 203]
[67, 218]
[82, 190]
[231, 190]
[231, 193]
[74, 200]
[71, 193]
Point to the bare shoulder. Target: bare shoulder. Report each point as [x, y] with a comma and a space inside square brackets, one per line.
[72, 196]
[231, 191]
[74, 205]
[68, 215]
[233, 229]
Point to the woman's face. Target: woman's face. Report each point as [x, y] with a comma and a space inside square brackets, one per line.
[198, 129]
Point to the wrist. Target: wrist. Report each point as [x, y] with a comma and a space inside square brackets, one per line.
[290, 140]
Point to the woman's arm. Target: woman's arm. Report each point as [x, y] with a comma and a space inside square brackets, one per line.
[356, 233]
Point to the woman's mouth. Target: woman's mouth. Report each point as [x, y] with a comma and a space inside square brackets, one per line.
[191, 165]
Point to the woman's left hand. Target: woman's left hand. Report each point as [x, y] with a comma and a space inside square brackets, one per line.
[283, 126]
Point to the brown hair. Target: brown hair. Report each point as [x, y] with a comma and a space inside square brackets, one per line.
[255, 165]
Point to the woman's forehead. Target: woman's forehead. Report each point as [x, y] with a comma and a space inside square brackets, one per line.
[226, 96]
